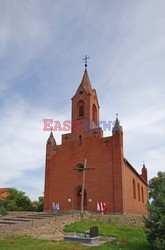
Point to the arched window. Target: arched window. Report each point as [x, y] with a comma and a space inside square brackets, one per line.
[134, 189]
[94, 113]
[138, 192]
[80, 139]
[142, 194]
[81, 106]
[79, 167]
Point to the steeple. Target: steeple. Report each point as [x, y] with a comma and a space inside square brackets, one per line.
[85, 103]
[51, 139]
[117, 133]
[117, 126]
[85, 83]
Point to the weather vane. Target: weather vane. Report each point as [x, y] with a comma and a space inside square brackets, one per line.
[85, 59]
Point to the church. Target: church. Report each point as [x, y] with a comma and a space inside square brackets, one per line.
[111, 179]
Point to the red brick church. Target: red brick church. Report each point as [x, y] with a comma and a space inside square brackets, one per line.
[113, 181]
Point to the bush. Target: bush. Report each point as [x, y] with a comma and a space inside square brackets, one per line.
[155, 224]
[40, 204]
[17, 201]
[3, 210]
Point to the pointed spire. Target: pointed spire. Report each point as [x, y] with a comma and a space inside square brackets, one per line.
[144, 167]
[85, 83]
[51, 135]
[144, 172]
[117, 124]
[51, 139]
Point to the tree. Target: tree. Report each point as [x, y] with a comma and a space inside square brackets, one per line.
[17, 201]
[3, 211]
[155, 223]
[40, 204]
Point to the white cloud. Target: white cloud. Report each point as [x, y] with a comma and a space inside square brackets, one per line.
[125, 42]
[23, 141]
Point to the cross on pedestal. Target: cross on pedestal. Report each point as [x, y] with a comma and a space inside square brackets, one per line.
[106, 141]
[83, 169]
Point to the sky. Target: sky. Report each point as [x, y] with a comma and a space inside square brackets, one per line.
[42, 43]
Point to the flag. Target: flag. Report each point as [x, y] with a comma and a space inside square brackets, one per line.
[101, 207]
[105, 207]
[58, 206]
[53, 206]
[98, 207]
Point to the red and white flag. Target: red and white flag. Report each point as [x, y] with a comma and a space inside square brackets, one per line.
[98, 207]
[101, 207]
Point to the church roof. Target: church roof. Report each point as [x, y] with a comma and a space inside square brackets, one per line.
[129, 165]
[3, 190]
[85, 83]
[3, 193]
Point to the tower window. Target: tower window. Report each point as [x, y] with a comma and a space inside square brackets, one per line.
[81, 110]
[79, 167]
[94, 113]
[80, 139]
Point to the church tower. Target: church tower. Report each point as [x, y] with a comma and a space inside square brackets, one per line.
[85, 103]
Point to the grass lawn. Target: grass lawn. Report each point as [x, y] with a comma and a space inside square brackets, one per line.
[127, 238]
[25, 243]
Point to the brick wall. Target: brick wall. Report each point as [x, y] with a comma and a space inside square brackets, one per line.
[110, 181]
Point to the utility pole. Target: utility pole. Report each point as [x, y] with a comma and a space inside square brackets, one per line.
[83, 184]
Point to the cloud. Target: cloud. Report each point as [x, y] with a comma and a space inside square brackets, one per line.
[23, 141]
[41, 48]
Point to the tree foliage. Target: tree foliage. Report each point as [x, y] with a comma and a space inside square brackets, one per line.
[155, 223]
[3, 211]
[40, 204]
[17, 201]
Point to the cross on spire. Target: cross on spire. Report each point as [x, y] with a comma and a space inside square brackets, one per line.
[85, 59]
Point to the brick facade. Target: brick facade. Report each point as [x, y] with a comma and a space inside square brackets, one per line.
[114, 181]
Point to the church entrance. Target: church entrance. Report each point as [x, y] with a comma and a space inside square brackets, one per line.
[79, 192]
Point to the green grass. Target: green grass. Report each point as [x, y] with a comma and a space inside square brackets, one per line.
[131, 237]
[127, 238]
[27, 243]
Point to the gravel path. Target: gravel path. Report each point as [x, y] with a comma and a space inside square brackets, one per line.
[45, 229]
[52, 229]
